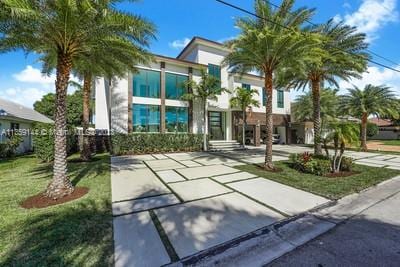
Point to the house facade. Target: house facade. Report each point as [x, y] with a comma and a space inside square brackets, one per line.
[150, 100]
[17, 118]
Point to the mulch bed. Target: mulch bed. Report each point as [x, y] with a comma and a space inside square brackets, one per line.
[41, 201]
[276, 169]
[340, 174]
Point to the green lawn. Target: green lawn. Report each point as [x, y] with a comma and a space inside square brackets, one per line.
[333, 188]
[391, 142]
[78, 233]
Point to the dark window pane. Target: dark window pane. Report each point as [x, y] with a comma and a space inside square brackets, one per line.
[280, 99]
[246, 86]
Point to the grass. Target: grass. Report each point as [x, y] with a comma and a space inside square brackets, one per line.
[333, 188]
[78, 233]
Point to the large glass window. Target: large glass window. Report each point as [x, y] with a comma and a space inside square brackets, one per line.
[146, 118]
[280, 98]
[175, 85]
[146, 83]
[246, 86]
[176, 119]
[215, 71]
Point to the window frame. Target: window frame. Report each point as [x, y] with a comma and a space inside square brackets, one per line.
[177, 109]
[177, 76]
[147, 71]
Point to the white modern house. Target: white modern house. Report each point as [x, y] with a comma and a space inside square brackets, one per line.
[15, 117]
[149, 101]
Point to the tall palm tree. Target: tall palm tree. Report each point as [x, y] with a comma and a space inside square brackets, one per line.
[267, 43]
[372, 100]
[340, 54]
[110, 58]
[243, 99]
[69, 30]
[208, 88]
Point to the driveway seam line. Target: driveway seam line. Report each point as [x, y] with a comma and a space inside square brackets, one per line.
[164, 237]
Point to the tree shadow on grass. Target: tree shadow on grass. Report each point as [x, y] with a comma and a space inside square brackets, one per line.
[74, 235]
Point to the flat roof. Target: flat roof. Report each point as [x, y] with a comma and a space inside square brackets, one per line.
[179, 61]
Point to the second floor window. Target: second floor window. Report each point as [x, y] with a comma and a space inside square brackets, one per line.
[175, 85]
[246, 86]
[264, 97]
[215, 71]
[280, 98]
[147, 83]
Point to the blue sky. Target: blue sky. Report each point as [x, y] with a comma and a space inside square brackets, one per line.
[178, 21]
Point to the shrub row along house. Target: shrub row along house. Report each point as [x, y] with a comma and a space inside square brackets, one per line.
[150, 100]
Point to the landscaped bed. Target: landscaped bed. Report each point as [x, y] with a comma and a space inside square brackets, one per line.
[71, 234]
[330, 187]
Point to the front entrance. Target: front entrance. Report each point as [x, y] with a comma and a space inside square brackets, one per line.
[216, 125]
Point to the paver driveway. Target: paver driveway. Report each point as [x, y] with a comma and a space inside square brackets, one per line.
[170, 206]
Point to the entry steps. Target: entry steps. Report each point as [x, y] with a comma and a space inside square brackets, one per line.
[224, 145]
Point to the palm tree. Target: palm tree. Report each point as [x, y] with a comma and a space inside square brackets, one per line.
[339, 55]
[303, 109]
[70, 30]
[267, 43]
[111, 58]
[342, 134]
[208, 88]
[373, 100]
[243, 100]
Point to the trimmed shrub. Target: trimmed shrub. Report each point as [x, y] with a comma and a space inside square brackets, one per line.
[43, 141]
[372, 129]
[317, 165]
[142, 143]
[347, 164]
[9, 149]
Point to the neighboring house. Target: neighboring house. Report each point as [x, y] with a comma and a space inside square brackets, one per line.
[387, 129]
[15, 117]
[149, 101]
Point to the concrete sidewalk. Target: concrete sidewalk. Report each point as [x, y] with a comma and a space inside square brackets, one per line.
[361, 230]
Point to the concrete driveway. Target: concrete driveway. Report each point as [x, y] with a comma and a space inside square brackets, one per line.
[168, 207]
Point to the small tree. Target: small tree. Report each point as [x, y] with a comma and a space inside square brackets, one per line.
[208, 88]
[373, 100]
[341, 134]
[243, 100]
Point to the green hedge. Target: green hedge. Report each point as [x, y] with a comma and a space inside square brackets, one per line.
[141, 143]
[43, 141]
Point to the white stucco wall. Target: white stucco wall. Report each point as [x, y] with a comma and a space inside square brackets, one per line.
[119, 105]
[102, 104]
[27, 144]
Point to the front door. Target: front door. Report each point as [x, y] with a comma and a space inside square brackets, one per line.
[216, 125]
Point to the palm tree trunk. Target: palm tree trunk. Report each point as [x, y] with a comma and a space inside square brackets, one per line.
[244, 128]
[269, 123]
[364, 121]
[61, 186]
[205, 126]
[317, 115]
[86, 151]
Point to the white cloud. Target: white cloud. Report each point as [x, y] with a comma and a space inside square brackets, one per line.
[375, 76]
[179, 44]
[33, 75]
[25, 97]
[371, 16]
